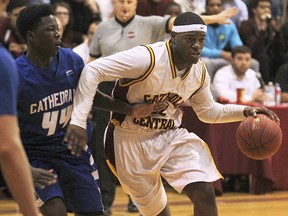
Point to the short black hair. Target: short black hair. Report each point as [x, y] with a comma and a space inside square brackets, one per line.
[240, 49]
[255, 3]
[31, 16]
[188, 18]
[16, 4]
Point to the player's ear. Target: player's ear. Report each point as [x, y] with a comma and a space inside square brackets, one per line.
[173, 35]
[30, 36]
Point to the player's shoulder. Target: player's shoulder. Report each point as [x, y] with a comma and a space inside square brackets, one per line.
[6, 56]
[7, 63]
[68, 53]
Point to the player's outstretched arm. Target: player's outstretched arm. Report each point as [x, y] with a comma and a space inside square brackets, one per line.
[105, 102]
[42, 177]
[253, 111]
[221, 18]
[76, 136]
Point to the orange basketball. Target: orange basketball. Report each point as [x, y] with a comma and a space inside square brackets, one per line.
[259, 138]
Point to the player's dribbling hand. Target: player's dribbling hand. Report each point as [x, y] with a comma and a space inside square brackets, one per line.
[142, 110]
[76, 137]
[43, 177]
[253, 111]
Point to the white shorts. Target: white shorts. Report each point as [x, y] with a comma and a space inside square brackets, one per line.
[142, 158]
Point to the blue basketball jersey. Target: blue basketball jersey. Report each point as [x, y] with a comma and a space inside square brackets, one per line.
[9, 83]
[45, 101]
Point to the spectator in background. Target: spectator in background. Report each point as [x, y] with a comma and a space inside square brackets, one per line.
[263, 35]
[105, 9]
[172, 9]
[83, 49]
[237, 75]
[83, 12]
[219, 40]
[243, 11]
[13, 160]
[196, 6]
[282, 79]
[69, 38]
[152, 7]
[9, 36]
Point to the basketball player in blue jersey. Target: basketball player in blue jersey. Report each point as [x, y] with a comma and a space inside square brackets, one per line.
[14, 165]
[142, 150]
[48, 79]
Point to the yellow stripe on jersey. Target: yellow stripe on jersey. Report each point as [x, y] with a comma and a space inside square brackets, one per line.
[145, 75]
[174, 75]
[112, 168]
[202, 78]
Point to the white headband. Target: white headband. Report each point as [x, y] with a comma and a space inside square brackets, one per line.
[188, 28]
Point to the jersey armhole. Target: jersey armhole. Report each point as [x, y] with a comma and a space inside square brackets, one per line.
[128, 82]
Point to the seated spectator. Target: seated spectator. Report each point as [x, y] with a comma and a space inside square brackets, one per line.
[9, 36]
[263, 35]
[237, 75]
[196, 6]
[83, 49]
[173, 9]
[151, 7]
[284, 54]
[220, 39]
[282, 79]
[243, 10]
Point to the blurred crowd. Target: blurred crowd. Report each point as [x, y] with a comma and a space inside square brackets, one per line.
[249, 52]
[260, 24]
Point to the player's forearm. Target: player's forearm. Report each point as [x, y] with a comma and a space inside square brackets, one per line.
[18, 177]
[84, 95]
[105, 102]
[15, 166]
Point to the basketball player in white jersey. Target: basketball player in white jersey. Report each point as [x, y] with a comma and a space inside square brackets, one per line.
[142, 150]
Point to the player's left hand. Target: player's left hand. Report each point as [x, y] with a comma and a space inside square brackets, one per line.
[42, 177]
[253, 111]
[76, 137]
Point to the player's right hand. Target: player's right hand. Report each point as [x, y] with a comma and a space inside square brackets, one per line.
[43, 177]
[76, 137]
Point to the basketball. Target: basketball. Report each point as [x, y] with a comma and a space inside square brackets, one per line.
[259, 138]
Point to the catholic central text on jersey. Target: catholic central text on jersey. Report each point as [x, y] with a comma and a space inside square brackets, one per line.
[54, 100]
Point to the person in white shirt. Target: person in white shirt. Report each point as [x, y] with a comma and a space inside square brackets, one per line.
[237, 75]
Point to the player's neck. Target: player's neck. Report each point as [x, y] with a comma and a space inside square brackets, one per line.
[38, 60]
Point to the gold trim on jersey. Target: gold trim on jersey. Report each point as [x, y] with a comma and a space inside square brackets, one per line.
[202, 78]
[172, 65]
[122, 82]
[174, 75]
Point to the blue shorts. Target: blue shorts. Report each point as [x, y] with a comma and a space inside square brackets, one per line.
[77, 181]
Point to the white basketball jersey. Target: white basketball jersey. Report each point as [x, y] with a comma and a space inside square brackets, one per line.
[159, 83]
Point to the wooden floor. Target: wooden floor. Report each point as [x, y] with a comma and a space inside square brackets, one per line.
[229, 204]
